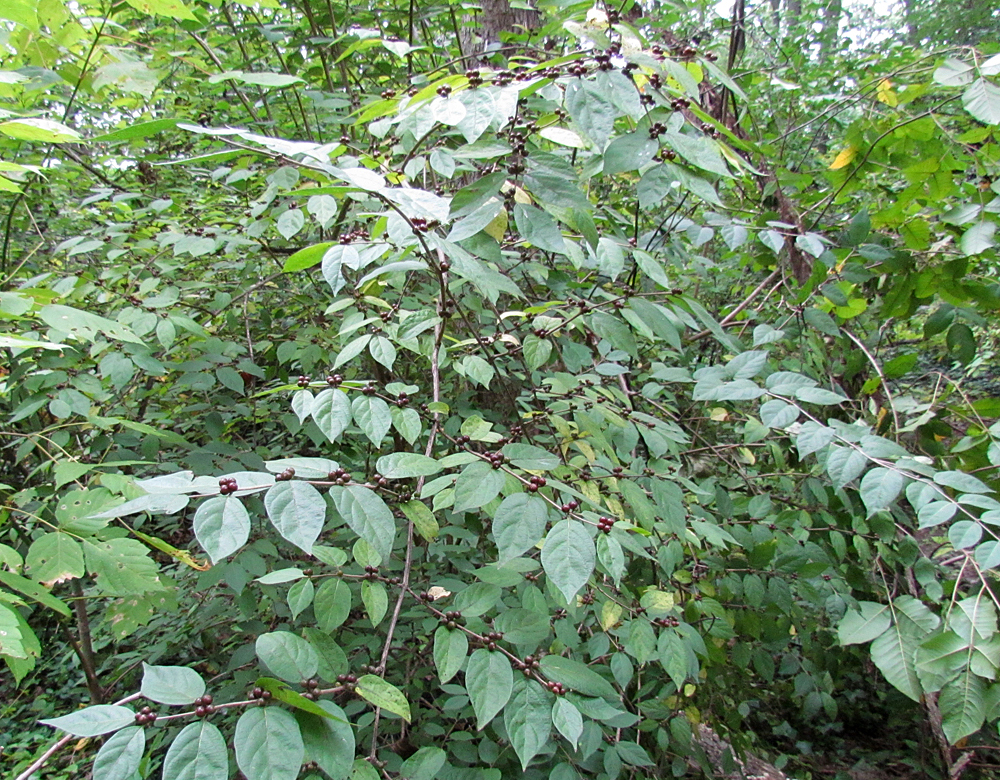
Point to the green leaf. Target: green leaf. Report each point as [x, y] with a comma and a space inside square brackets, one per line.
[376, 601]
[480, 110]
[297, 510]
[331, 409]
[577, 676]
[962, 703]
[530, 457]
[845, 464]
[519, 524]
[173, 685]
[38, 130]
[568, 557]
[422, 518]
[959, 480]
[478, 598]
[332, 604]
[450, 649]
[880, 487]
[268, 744]
[567, 720]
[528, 720]
[982, 100]
[489, 679]
[633, 753]
[329, 742]
[894, 653]
[425, 764]
[629, 152]
[54, 558]
[372, 415]
[591, 110]
[536, 351]
[135, 131]
[120, 756]
[84, 325]
[477, 485]
[300, 596]
[290, 222]
[538, 228]
[368, 516]
[864, 626]
[221, 526]
[382, 694]
[404, 465]
[93, 721]
[288, 656]
[198, 753]
[122, 567]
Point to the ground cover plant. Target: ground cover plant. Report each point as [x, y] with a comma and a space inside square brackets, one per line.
[555, 391]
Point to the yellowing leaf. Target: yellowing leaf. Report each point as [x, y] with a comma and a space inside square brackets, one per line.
[498, 226]
[885, 94]
[173, 8]
[845, 158]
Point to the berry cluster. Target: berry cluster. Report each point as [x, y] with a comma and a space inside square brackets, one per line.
[679, 103]
[303, 381]
[496, 459]
[402, 400]
[605, 524]
[502, 78]
[228, 485]
[490, 639]
[450, 619]
[260, 694]
[310, 686]
[534, 484]
[647, 100]
[515, 168]
[369, 390]
[388, 94]
[203, 705]
[570, 506]
[444, 90]
[334, 380]
[557, 688]
[603, 62]
[475, 78]
[655, 80]
[339, 477]
[145, 716]
[667, 622]
[656, 130]
[668, 155]
[462, 439]
[577, 69]
[550, 73]
[422, 225]
[371, 572]
[347, 679]
[358, 234]
[517, 139]
[285, 475]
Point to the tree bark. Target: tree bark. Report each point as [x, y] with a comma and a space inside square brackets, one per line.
[480, 33]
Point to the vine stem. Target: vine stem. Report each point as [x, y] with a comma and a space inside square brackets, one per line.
[408, 564]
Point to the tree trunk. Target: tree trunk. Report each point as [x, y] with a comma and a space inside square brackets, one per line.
[480, 33]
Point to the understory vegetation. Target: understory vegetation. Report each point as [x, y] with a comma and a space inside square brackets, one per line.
[423, 390]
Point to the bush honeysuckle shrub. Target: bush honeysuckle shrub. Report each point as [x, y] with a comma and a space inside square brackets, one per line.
[510, 421]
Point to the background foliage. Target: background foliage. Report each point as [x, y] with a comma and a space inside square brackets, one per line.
[430, 391]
